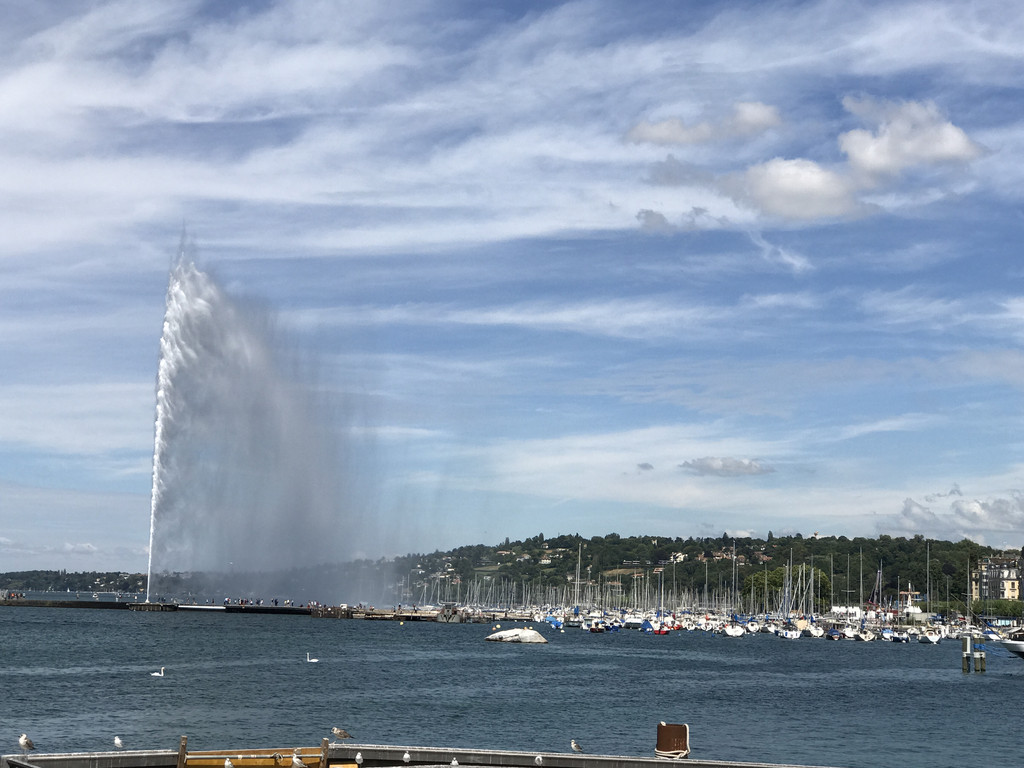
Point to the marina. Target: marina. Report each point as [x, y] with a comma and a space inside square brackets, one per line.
[883, 627]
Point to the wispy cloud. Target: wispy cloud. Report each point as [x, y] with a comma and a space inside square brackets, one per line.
[747, 119]
[549, 257]
[726, 466]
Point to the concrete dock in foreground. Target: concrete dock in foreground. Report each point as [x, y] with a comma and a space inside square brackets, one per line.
[374, 756]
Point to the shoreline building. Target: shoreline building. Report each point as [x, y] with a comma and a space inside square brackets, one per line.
[996, 578]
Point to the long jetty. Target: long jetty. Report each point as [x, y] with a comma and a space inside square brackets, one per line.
[448, 613]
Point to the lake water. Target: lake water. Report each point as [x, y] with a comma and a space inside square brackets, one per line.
[74, 678]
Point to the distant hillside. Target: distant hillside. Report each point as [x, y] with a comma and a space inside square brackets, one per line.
[616, 570]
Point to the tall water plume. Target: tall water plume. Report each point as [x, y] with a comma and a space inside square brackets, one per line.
[250, 482]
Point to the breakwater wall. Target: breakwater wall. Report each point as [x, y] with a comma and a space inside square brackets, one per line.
[447, 614]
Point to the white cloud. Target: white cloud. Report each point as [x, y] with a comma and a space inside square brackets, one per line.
[751, 117]
[999, 514]
[909, 134]
[83, 548]
[800, 190]
[996, 521]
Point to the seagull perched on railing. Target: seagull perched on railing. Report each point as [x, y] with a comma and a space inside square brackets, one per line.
[340, 733]
[118, 743]
[228, 763]
[575, 747]
[297, 761]
[25, 743]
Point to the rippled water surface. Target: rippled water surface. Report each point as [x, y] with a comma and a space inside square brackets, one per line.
[74, 678]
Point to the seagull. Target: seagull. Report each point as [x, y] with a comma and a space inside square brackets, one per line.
[228, 763]
[359, 758]
[297, 761]
[455, 763]
[340, 733]
[575, 747]
[25, 743]
[118, 743]
[157, 674]
[309, 659]
[406, 757]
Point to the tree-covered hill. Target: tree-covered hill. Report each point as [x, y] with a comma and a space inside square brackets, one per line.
[633, 571]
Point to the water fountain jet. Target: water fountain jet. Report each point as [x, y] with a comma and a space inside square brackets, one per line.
[250, 479]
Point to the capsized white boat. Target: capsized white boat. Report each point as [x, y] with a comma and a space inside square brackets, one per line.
[518, 635]
[732, 629]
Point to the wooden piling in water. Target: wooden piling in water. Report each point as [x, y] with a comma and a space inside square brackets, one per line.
[969, 653]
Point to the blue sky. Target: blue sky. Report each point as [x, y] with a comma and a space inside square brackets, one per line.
[686, 269]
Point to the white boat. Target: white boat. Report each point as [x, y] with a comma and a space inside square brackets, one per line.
[813, 630]
[1014, 643]
[632, 621]
[931, 636]
[866, 635]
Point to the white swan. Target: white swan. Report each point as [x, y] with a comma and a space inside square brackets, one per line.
[157, 674]
[309, 659]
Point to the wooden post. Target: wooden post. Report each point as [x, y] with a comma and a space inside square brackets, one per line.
[323, 752]
[182, 751]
